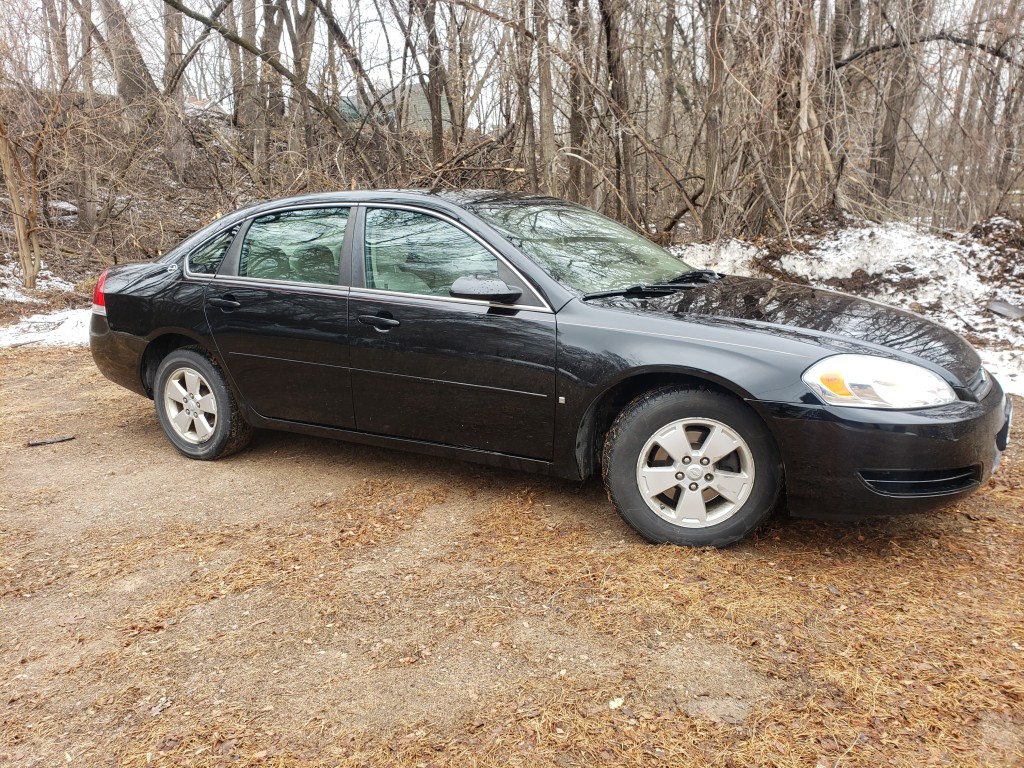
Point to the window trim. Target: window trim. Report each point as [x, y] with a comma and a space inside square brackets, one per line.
[358, 262]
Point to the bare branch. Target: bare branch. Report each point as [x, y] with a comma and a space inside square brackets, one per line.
[948, 37]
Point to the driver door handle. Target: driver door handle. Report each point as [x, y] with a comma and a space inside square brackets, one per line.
[227, 302]
[378, 322]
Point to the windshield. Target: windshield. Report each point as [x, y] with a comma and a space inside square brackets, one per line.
[579, 248]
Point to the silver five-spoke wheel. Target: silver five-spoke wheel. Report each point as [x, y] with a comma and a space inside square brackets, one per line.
[695, 472]
[191, 405]
[195, 406]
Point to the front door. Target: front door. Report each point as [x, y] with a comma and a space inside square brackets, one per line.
[426, 366]
[280, 322]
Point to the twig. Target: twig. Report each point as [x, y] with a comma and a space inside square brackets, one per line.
[854, 743]
[51, 441]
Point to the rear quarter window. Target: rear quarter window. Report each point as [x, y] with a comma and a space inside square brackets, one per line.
[206, 259]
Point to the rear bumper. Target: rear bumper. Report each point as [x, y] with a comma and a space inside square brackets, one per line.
[847, 463]
[117, 355]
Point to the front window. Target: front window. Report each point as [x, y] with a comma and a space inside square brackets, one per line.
[411, 252]
[579, 248]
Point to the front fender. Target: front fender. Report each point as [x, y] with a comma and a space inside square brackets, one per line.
[600, 356]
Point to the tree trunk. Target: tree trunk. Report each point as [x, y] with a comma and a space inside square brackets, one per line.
[22, 193]
[133, 79]
[668, 78]
[300, 25]
[173, 53]
[833, 110]
[271, 82]
[547, 157]
[234, 64]
[455, 77]
[435, 81]
[622, 140]
[248, 93]
[57, 31]
[898, 95]
[577, 105]
[712, 214]
[86, 187]
[177, 151]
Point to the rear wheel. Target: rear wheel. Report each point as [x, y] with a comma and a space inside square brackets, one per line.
[692, 467]
[195, 407]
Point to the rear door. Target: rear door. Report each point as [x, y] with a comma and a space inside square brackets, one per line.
[278, 314]
[426, 366]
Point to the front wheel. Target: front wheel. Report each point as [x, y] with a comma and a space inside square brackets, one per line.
[196, 409]
[692, 467]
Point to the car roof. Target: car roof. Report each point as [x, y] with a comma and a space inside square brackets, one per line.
[442, 199]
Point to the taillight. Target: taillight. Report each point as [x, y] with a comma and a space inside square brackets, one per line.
[99, 301]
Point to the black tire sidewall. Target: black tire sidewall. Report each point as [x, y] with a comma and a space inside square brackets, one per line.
[653, 411]
[187, 358]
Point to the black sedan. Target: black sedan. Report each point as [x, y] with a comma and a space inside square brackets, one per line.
[530, 333]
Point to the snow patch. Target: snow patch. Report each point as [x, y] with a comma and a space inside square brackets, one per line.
[733, 257]
[12, 287]
[67, 328]
[1007, 366]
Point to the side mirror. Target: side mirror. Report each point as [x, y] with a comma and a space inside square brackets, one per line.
[484, 288]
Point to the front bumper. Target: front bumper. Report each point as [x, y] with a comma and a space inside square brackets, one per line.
[848, 463]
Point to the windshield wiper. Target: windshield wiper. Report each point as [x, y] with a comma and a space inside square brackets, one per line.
[695, 276]
[661, 289]
[680, 282]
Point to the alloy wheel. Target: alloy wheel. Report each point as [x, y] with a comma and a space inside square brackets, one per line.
[695, 472]
[190, 405]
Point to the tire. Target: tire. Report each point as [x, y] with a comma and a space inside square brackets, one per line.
[692, 467]
[195, 407]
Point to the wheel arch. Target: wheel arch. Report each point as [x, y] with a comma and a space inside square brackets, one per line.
[159, 347]
[602, 411]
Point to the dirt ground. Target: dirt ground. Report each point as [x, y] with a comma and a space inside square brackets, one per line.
[308, 602]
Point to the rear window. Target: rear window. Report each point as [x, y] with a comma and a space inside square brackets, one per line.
[301, 246]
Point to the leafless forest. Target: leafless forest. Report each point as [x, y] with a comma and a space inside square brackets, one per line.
[124, 123]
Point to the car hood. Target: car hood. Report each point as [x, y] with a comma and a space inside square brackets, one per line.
[834, 320]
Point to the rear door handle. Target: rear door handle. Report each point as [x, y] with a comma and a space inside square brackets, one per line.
[226, 303]
[381, 323]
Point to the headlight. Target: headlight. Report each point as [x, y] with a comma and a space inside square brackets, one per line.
[863, 381]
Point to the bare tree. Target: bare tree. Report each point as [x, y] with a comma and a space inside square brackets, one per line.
[698, 117]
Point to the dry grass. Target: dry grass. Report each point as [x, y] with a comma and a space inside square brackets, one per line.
[894, 642]
[287, 608]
